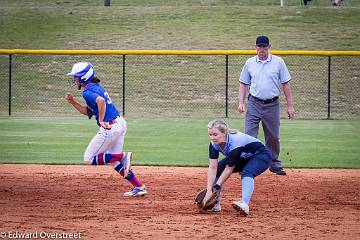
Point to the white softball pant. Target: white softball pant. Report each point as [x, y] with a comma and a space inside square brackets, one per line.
[107, 141]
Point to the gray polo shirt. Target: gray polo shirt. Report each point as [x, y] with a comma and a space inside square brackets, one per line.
[264, 78]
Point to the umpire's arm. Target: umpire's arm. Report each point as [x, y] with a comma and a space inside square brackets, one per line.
[288, 96]
[243, 88]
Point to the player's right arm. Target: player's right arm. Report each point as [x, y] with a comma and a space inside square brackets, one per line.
[78, 106]
[213, 164]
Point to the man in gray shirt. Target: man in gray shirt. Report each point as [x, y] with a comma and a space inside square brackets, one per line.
[263, 75]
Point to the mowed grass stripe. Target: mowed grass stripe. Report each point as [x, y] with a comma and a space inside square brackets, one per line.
[175, 141]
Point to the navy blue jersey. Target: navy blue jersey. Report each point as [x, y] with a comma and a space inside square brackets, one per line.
[238, 146]
[94, 90]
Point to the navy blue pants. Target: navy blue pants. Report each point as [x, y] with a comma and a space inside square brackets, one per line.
[249, 167]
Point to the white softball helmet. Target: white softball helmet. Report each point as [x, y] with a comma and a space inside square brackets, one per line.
[83, 70]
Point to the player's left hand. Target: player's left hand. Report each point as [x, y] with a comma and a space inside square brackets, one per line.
[105, 125]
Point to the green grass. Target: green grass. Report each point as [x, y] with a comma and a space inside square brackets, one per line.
[162, 84]
[174, 141]
[176, 24]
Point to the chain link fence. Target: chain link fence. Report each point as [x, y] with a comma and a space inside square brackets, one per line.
[176, 85]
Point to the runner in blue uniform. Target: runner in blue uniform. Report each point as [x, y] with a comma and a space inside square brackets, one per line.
[243, 154]
[107, 145]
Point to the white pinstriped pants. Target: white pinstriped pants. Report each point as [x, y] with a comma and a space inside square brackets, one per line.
[107, 141]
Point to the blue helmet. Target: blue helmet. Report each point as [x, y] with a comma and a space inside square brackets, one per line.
[83, 70]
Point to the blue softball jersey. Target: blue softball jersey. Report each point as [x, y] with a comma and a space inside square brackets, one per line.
[238, 146]
[94, 90]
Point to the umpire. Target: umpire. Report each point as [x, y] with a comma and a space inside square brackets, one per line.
[263, 75]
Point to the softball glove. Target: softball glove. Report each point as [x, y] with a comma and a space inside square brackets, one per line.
[210, 203]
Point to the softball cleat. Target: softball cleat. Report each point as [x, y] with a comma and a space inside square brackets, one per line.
[136, 192]
[215, 209]
[241, 206]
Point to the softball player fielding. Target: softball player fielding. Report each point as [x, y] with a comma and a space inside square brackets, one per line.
[243, 153]
[107, 145]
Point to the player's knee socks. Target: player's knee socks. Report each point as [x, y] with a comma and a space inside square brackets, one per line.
[248, 185]
[133, 179]
[106, 158]
[119, 167]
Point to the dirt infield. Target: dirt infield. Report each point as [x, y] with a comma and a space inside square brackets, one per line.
[87, 201]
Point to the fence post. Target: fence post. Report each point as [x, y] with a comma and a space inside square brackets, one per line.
[10, 71]
[329, 87]
[226, 85]
[123, 88]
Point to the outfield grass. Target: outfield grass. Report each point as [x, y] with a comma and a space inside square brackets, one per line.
[174, 142]
[162, 84]
[178, 24]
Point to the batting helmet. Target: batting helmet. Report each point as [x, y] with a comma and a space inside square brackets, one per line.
[83, 70]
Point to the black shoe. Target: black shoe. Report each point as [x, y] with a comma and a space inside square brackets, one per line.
[277, 170]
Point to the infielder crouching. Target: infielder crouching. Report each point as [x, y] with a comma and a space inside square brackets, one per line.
[243, 153]
[107, 145]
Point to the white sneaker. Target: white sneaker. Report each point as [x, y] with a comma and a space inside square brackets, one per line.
[215, 209]
[241, 206]
[126, 161]
[136, 192]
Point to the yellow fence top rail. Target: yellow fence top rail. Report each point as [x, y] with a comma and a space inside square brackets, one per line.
[173, 52]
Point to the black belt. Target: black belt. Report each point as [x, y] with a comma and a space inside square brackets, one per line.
[266, 101]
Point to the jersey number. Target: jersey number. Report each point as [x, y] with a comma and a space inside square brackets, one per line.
[108, 99]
